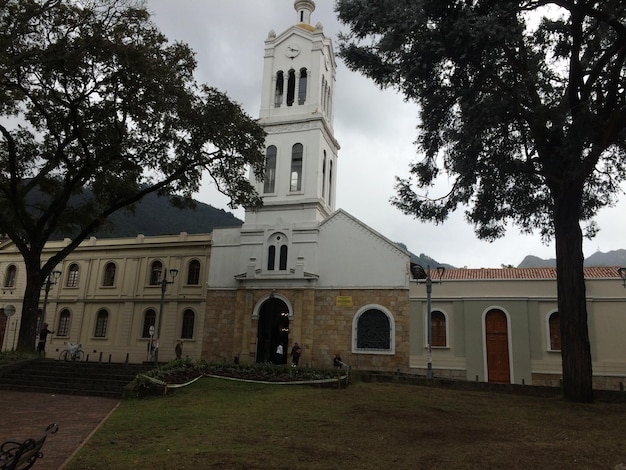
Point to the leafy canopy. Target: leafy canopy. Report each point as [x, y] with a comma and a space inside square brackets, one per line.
[92, 95]
[520, 102]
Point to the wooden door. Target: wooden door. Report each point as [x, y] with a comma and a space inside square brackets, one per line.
[497, 338]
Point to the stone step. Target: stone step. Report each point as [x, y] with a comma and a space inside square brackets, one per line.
[64, 391]
[71, 378]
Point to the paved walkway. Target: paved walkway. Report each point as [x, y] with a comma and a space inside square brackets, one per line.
[24, 415]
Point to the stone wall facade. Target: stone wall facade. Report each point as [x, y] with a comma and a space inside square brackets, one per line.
[319, 322]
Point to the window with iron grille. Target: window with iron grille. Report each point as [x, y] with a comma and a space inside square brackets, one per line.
[11, 275]
[373, 331]
[72, 276]
[156, 269]
[188, 321]
[109, 275]
[63, 328]
[101, 324]
[193, 273]
[149, 319]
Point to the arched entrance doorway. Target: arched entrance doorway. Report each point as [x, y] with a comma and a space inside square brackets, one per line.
[273, 330]
[497, 344]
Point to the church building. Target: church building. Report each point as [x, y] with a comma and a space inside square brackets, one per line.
[299, 270]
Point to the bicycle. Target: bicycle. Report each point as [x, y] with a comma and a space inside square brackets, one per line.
[74, 352]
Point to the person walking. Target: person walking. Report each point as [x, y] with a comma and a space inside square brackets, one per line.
[43, 336]
[296, 351]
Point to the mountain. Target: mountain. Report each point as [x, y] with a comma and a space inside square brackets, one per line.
[155, 215]
[535, 262]
[424, 260]
[611, 258]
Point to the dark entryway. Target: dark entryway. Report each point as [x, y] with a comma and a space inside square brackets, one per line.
[273, 330]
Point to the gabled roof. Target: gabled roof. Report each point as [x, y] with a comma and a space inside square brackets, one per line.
[339, 213]
[609, 272]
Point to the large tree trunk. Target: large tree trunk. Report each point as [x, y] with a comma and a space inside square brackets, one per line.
[28, 325]
[575, 348]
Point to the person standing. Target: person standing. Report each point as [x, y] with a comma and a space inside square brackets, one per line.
[43, 336]
[279, 354]
[337, 362]
[296, 351]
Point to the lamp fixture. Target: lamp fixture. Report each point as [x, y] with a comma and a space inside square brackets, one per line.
[424, 275]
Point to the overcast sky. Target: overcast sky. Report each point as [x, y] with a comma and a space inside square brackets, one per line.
[376, 130]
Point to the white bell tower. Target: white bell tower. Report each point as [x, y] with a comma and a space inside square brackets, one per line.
[297, 102]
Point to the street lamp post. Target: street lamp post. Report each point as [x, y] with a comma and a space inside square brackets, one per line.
[420, 274]
[51, 280]
[164, 283]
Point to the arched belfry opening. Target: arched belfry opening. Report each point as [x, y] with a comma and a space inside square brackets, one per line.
[273, 330]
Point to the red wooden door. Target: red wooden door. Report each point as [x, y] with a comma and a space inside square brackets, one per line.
[497, 337]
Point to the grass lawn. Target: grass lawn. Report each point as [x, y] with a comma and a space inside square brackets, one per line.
[222, 424]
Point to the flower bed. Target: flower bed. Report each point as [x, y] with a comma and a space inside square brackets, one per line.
[180, 372]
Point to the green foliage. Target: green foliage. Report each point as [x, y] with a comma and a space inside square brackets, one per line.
[515, 116]
[94, 97]
[523, 105]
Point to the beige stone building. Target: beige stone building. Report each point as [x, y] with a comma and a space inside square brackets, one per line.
[108, 294]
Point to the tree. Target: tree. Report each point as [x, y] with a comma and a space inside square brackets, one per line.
[522, 104]
[98, 109]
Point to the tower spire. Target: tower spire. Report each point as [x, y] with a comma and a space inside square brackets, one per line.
[304, 8]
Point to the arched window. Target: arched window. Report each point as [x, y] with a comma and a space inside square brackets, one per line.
[302, 87]
[373, 330]
[280, 83]
[193, 273]
[277, 247]
[109, 275]
[330, 183]
[186, 332]
[63, 327]
[10, 276]
[291, 87]
[324, 175]
[102, 321]
[282, 265]
[438, 329]
[72, 276]
[554, 323]
[156, 269]
[296, 168]
[149, 319]
[270, 169]
[271, 257]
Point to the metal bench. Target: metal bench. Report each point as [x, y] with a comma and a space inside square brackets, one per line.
[22, 455]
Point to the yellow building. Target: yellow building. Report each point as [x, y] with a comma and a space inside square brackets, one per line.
[108, 294]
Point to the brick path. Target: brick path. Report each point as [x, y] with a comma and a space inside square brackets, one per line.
[24, 415]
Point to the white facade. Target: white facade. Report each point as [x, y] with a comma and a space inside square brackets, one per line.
[297, 238]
